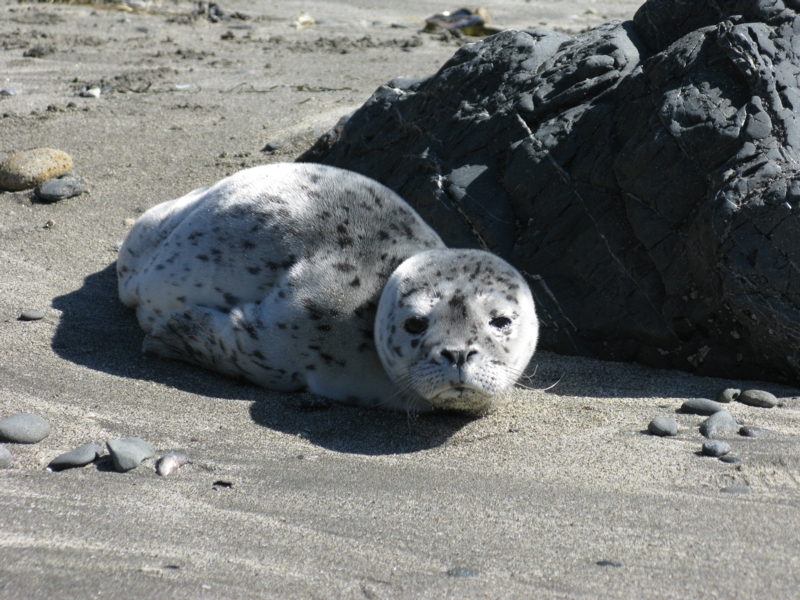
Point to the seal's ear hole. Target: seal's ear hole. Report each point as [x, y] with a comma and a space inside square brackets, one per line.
[500, 322]
[415, 325]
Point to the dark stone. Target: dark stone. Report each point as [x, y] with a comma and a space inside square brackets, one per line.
[128, 453]
[718, 424]
[642, 175]
[716, 448]
[757, 398]
[663, 426]
[701, 406]
[31, 315]
[753, 432]
[732, 460]
[60, 188]
[24, 428]
[727, 395]
[76, 458]
[461, 572]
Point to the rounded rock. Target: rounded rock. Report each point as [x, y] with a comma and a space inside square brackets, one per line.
[726, 395]
[76, 458]
[60, 188]
[663, 426]
[719, 423]
[729, 459]
[24, 428]
[32, 315]
[128, 453]
[701, 406]
[26, 170]
[757, 398]
[753, 432]
[716, 448]
[5, 457]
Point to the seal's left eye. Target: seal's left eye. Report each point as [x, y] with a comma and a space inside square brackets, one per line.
[415, 325]
[500, 322]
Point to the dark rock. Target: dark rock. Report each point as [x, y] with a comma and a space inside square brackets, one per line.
[24, 428]
[5, 457]
[61, 188]
[716, 448]
[128, 453]
[79, 457]
[753, 432]
[727, 395]
[642, 175]
[31, 315]
[663, 426]
[729, 459]
[701, 406]
[718, 424]
[461, 572]
[757, 398]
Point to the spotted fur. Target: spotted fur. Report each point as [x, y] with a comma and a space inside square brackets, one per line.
[303, 277]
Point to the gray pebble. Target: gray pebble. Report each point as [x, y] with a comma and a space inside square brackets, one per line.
[24, 428]
[462, 572]
[757, 398]
[76, 458]
[270, 147]
[736, 489]
[730, 459]
[701, 406]
[61, 188]
[663, 426]
[719, 423]
[128, 453]
[716, 448]
[726, 395]
[753, 432]
[31, 315]
[5, 457]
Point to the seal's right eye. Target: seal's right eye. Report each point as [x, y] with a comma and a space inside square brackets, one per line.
[415, 325]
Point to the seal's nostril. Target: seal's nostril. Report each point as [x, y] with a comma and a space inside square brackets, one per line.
[458, 358]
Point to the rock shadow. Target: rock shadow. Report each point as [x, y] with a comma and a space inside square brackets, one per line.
[97, 331]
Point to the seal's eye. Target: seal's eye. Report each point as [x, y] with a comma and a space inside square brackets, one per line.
[500, 322]
[415, 325]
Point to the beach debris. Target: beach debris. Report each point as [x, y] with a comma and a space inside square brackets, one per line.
[663, 426]
[461, 572]
[62, 187]
[39, 51]
[31, 315]
[736, 489]
[463, 20]
[24, 428]
[221, 484]
[5, 457]
[128, 453]
[716, 448]
[757, 398]
[270, 147]
[754, 432]
[727, 395]
[80, 457]
[25, 170]
[92, 92]
[171, 462]
[303, 20]
[7, 92]
[215, 14]
[701, 406]
[719, 423]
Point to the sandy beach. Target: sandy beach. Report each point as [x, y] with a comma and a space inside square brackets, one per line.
[559, 493]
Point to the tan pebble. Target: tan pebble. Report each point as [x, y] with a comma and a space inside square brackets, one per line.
[26, 170]
[128, 222]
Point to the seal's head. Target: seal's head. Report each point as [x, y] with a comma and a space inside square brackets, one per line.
[454, 328]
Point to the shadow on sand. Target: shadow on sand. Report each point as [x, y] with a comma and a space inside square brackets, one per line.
[97, 331]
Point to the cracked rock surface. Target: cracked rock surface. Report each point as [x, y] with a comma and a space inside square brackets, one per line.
[642, 175]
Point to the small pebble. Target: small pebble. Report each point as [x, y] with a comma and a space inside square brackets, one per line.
[270, 147]
[719, 423]
[663, 426]
[24, 428]
[31, 315]
[757, 398]
[5, 457]
[727, 395]
[26, 170]
[736, 489]
[753, 432]
[701, 406]
[169, 463]
[60, 188]
[730, 459]
[128, 453]
[7, 92]
[128, 222]
[90, 93]
[716, 448]
[461, 572]
[79, 457]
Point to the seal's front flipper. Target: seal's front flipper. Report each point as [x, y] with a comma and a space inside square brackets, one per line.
[200, 336]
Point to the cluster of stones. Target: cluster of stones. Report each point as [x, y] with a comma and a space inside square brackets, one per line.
[719, 422]
[46, 169]
[126, 453]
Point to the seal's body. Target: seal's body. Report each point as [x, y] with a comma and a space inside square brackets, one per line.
[302, 276]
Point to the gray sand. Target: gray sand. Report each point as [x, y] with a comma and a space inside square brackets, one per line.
[558, 494]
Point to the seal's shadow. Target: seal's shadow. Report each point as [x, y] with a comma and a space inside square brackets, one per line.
[97, 331]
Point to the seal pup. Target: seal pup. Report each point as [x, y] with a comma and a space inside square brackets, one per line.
[299, 276]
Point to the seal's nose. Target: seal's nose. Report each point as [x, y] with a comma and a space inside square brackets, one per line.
[458, 358]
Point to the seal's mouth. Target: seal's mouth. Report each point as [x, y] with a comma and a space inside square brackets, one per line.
[462, 398]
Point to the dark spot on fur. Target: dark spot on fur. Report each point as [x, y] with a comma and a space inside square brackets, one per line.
[254, 270]
[248, 245]
[258, 354]
[230, 299]
[311, 368]
[356, 282]
[181, 298]
[202, 257]
[414, 343]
